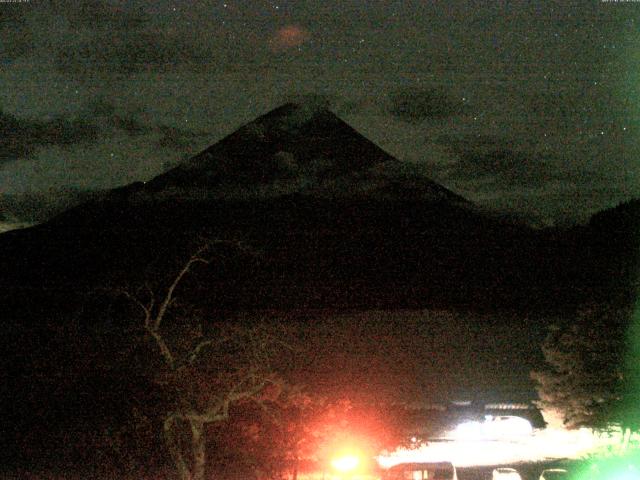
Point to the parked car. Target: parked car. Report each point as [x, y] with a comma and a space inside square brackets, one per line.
[421, 471]
[554, 474]
[505, 473]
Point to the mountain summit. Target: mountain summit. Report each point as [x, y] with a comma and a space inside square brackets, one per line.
[296, 148]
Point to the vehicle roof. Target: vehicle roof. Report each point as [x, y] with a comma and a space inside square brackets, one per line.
[401, 466]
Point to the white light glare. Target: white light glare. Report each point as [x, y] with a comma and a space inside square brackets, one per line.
[493, 428]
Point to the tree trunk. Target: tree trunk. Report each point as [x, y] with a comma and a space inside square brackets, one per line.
[199, 449]
[626, 437]
[174, 448]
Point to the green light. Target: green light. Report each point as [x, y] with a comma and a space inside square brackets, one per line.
[626, 467]
[630, 414]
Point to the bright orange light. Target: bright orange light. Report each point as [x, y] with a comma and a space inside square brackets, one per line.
[346, 463]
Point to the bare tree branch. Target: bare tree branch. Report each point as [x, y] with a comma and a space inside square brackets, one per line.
[194, 354]
[169, 296]
[241, 372]
[146, 309]
[164, 348]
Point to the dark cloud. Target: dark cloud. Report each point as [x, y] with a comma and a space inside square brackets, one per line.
[100, 15]
[16, 36]
[178, 139]
[99, 37]
[490, 158]
[123, 39]
[36, 207]
[316, 100]
[100, 108]
[557, 105]
[415, 105]
[350, 107]
[171, 137]
[104, 113]
[131, 53]
[27, 31]
[512, 167]
[129, 125]
[19, 138]
[338, 104]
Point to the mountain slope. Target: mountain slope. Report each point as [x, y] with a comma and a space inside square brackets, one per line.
[333, 219]
[292, 149]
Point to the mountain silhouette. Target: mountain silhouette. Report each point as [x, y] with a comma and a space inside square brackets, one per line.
[295, 148]
[336, 221]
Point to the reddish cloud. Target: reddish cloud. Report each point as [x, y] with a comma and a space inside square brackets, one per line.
[289, 36]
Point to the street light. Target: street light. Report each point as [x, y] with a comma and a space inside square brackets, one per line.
[346, 463]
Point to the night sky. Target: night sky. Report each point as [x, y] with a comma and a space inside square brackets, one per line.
[528, 106]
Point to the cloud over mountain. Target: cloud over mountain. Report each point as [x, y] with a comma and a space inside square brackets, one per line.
[414, 105]
[20, 137]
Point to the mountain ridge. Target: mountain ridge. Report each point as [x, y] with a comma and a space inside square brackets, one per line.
[360, 223]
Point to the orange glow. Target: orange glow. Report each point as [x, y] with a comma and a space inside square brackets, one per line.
[346, 463]
[288, 37]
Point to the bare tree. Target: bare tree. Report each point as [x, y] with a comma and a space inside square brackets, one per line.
[207, 366]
